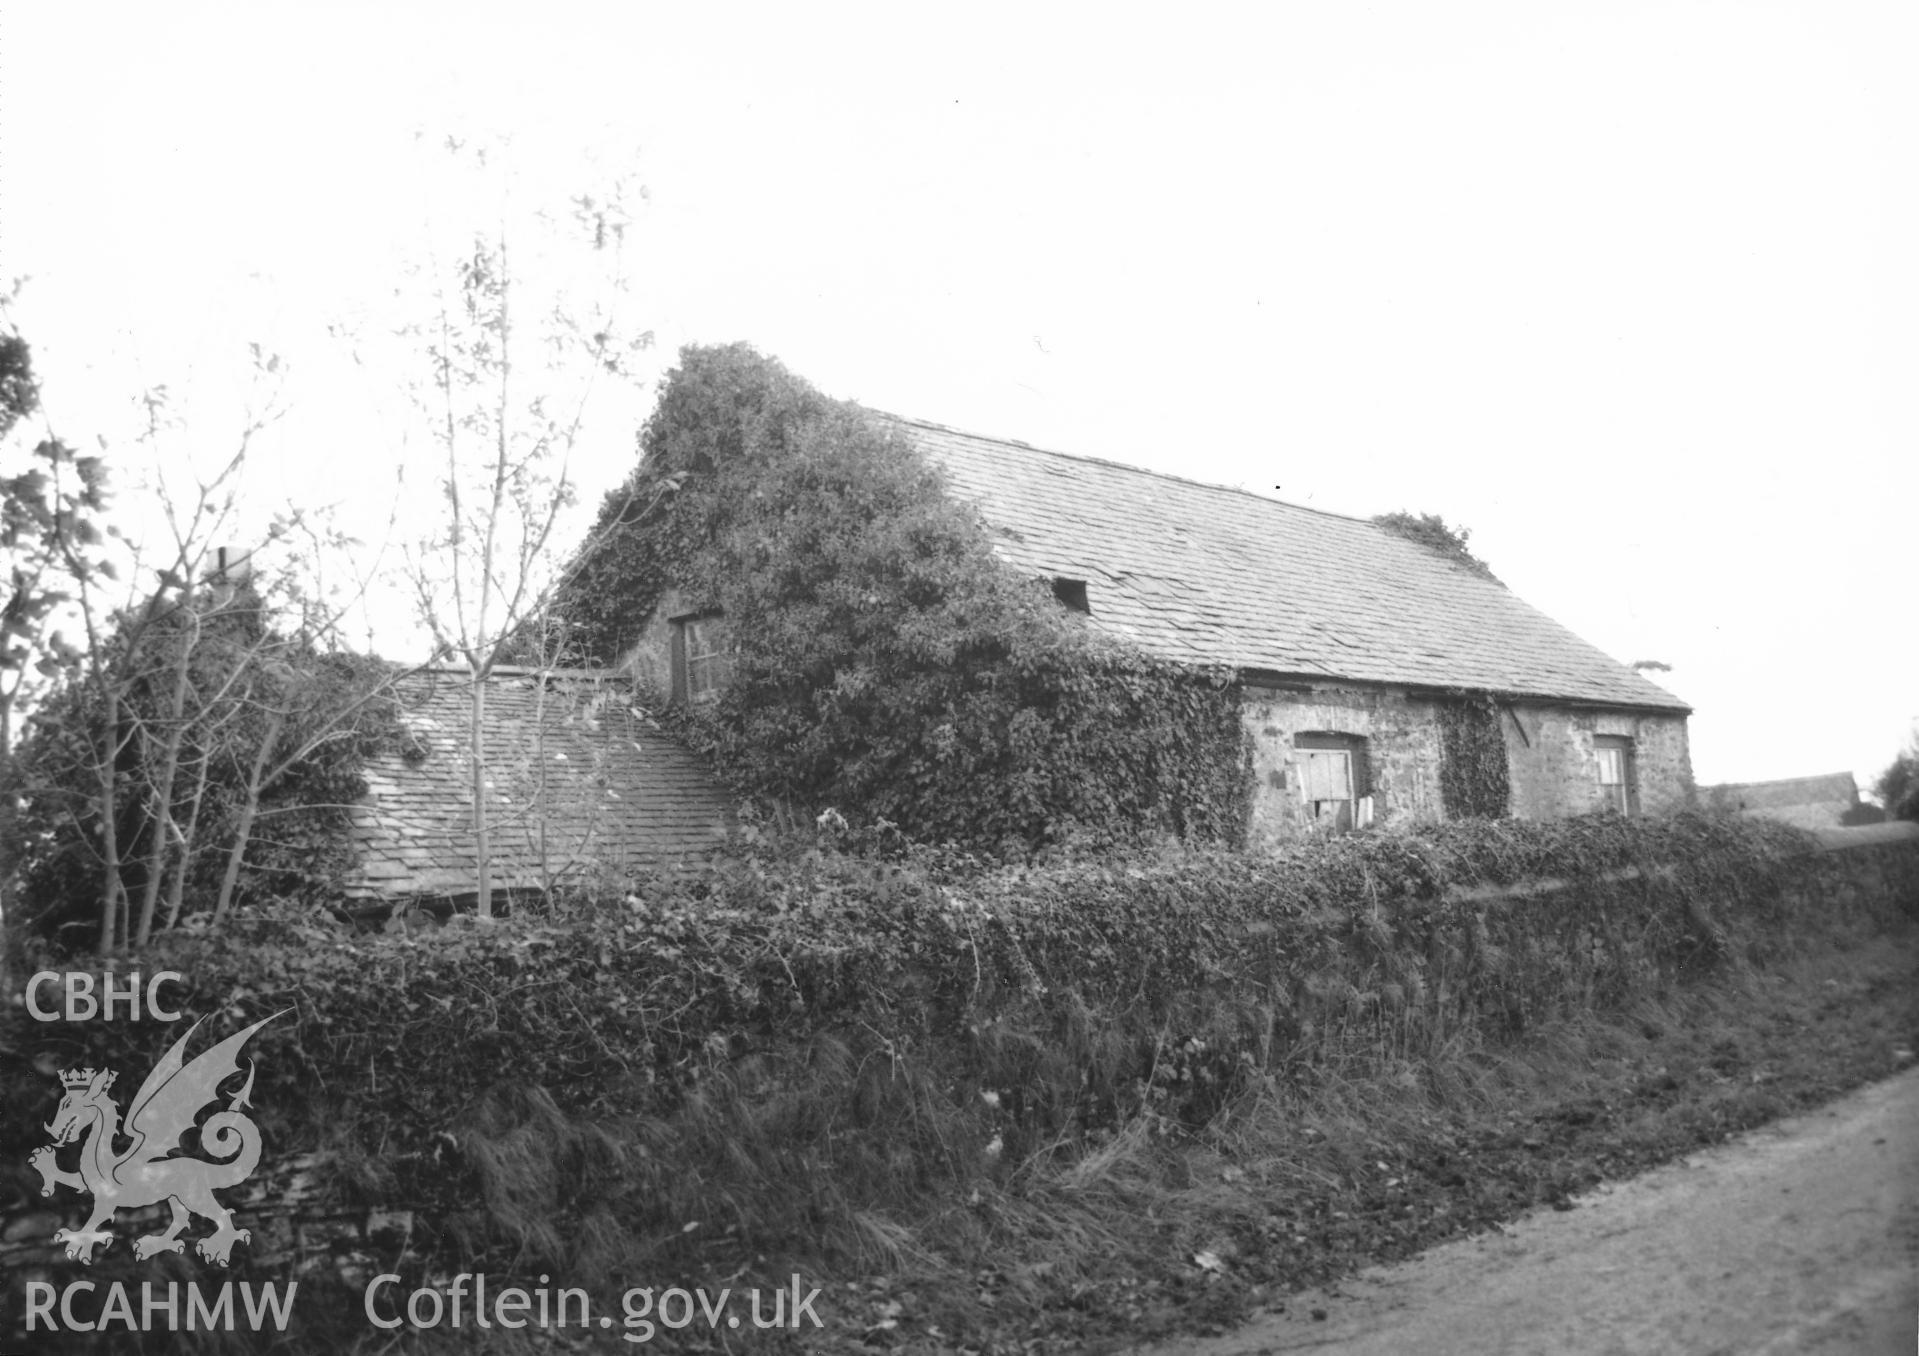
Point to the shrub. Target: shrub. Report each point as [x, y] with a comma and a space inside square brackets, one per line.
[226, 744]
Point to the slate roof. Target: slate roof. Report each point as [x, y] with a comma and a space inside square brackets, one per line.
[1829, 789]
[619, 795]
[1207, 574]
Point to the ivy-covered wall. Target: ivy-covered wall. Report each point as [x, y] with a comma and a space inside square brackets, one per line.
[887, 664]
[1474, 781]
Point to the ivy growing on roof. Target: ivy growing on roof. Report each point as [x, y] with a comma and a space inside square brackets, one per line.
[887, 662]
[1436, 535]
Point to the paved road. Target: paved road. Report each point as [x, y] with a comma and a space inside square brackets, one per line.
[1802, 1237]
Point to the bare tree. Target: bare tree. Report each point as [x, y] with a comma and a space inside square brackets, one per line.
[509, 382]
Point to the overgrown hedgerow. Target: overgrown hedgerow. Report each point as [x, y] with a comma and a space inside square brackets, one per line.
[793, 1048]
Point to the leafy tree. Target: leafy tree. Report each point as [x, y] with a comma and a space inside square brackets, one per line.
[184, 714]
[232, 740]
[1432, 532]
[50, 511]
[1898, 785]
[126, 743]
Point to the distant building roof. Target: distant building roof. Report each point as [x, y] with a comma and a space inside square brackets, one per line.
[582, 783]
[1828, 789]
[1212, 575]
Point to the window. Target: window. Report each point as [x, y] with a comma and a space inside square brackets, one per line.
[702, 658]
[1072, 593]
[1334, 781]
[1614, 754]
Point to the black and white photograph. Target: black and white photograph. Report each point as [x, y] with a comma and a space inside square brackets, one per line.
[959, 681]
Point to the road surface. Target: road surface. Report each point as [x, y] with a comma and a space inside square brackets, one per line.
[1800, 1237]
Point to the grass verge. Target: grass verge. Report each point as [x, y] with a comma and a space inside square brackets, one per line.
[1151, 1237]
[1150, 1232]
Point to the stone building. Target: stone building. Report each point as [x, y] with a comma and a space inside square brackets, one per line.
[1352, 643]
[1826, 802]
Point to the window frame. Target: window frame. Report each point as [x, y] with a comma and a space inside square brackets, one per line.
[1621, 795]
[702, 657]
[1354, 809]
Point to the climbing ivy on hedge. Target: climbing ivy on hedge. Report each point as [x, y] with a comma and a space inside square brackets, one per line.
[1473, 779]
[887, 662]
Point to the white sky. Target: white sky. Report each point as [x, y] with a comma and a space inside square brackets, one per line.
[1627, 289]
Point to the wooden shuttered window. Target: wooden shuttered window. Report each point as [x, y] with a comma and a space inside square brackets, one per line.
[1335, 777]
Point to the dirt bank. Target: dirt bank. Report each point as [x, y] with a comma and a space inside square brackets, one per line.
[1802, 1236]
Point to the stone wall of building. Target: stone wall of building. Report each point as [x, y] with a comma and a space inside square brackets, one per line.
[1402, 749]
[1554, 768]
[1662, 753]
[649, 663]
[1551, 758]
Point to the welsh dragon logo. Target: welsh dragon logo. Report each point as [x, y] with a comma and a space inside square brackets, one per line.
[142, 1174]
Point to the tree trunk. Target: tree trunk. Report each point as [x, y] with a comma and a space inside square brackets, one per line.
[9, 811]
[164, 828]
[109, 774]
[540, 807]
[176, 892]
[243, 833]
[476, 749]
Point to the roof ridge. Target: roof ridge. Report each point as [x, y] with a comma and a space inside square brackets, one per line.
[1788, 781]
[1124, 466]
